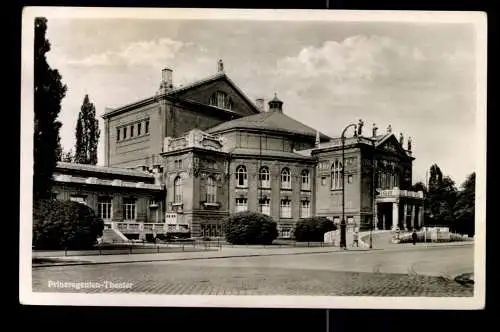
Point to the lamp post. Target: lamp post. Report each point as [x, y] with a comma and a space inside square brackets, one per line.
[374, 207]
[342, 222]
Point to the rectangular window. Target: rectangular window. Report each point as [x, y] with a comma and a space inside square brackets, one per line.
[286, 208]
[305, 209]
[129, 209]
[336, 220]
[241, 204]
[349, 179]
[79, 199]
[350, 220]
[139, 129]
[125, 133]
[104, 208]
[265, 206]
[146, 127]
[117, 134]
[132, 131]
[323, 180]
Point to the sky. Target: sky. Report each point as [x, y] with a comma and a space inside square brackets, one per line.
[419, 78]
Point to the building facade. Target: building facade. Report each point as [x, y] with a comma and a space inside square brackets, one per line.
[205, 150]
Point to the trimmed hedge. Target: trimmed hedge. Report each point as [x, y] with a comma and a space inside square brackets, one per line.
[249, 228]
[65, 225]
[313, 229]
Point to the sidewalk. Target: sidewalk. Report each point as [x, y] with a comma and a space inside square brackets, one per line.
[178, 256]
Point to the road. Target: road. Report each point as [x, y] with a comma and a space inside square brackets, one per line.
[410, 272]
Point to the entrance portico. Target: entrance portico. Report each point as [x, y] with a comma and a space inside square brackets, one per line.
[399, 208]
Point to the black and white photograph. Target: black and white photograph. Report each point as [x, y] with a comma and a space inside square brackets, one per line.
[253, 158]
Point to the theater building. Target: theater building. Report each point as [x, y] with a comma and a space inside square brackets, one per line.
[190, 155]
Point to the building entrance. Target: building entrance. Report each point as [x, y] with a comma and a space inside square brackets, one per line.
[384, 216]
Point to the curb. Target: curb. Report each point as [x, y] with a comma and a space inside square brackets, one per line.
[184, 259]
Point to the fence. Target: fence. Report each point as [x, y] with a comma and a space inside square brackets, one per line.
[138, 247]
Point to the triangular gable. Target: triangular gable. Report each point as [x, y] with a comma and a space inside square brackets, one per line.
[202, 90]
[391, 144]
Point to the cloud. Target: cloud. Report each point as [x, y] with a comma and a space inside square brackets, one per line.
[358, 58]
[142, 53]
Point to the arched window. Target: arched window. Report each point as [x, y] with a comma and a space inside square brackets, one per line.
[241, 176]
[178, 190]
[221, 99]
[336, 177]
[211, 190]
[286, 182]
[264, 177]
[305, 180]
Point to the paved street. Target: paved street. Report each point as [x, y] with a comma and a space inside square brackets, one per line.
[415, 272]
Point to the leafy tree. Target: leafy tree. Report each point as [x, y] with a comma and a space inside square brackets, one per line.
[67, 156]
[313, 229]
[87, 134]
[419, 186]
[48, 94]
[465, 207]
[249, 228]
[65, 224]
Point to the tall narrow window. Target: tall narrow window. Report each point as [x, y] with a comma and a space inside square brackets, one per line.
[305, 209]
[124, 132]
[305, 183]
[286, 182]
[241, 204]
[211, 190]
[117, 134]
[132, 131]
[286, 208]
[146, 127]
[336, 177]
[264, 177]
[265, 206]
[178, 190]
[139, 129]
[104, 206]
[241, 176]
[129, 209]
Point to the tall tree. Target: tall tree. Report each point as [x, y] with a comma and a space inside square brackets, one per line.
[80, 142]
[87, 134]
[465, 206]
[48, 94]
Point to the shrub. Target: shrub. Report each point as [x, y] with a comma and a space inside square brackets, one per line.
[313, 229]
[65, 224]
[249, 228]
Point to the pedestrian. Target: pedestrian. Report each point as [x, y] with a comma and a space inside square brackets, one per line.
[355, 239]
[414, 237]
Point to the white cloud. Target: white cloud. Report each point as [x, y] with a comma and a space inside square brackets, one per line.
[142, 53]
[357, 58]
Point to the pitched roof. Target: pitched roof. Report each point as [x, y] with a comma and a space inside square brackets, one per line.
[102, 169]
[268, 153]
[272, 121]
[211, 78]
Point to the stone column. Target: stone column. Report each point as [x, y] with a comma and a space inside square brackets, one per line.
[421, 215]
[383, 221]
[395, 214]
[117, 206]
[413, 216]
[405, 214]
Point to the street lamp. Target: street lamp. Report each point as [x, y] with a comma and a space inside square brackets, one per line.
[374, 207]
[342, 222]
